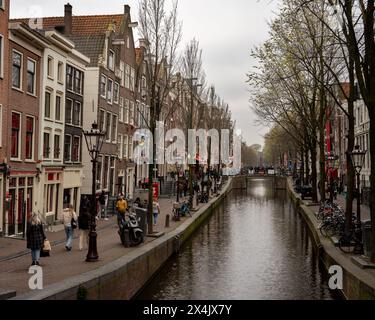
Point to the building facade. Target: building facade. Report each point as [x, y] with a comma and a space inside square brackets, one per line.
[4, 92]
[26, 51]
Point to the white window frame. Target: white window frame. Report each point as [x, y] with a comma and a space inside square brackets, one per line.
[122, 71]
[58, 134]
[121, 108]
[127, 76]
[109, 132]
[79, 149]
[60, 73]
[126, 111]
[116, 97]
[114, 139]
[19, 136]
[1, 56]
[70, 148]
[121, 146]
[111, 66]
[131, 112]
[110, 96]
[49, 146]
[80, 114]
[100, 84]
[33, 137]
[130, 147]
[132, 79]
[21, 71]
[61, 96]
[27, 71]
[126, 146]
[50, 75]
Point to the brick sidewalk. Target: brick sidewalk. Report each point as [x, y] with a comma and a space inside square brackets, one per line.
[15, 259]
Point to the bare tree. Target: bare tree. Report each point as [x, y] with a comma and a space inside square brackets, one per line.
[162, 30]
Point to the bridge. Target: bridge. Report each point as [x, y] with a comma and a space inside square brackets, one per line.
[241, 181]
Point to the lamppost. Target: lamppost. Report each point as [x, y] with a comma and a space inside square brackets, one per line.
[178, 182]
[94, 141]
[357, 157]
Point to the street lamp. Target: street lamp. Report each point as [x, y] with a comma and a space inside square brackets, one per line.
[94, 141]
[357, 157]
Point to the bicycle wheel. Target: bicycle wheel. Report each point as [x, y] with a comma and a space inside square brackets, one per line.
[326, 229]
[346, 244]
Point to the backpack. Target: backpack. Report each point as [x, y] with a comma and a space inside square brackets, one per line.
[121, 206]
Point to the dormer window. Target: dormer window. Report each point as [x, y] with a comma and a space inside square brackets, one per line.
[111, 60]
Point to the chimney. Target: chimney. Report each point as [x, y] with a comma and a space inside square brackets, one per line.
[127, 9]
[68, 20]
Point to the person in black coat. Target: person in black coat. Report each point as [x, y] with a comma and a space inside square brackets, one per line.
[84, 222]
[35, 237]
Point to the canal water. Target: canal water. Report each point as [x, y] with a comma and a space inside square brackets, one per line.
[253, 247]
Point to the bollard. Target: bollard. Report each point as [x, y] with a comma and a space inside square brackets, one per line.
[167, 217]
[127, 238]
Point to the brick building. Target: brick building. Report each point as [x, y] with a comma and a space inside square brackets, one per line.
[4, 91]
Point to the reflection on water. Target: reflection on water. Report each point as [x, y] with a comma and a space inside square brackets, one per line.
[254, 247]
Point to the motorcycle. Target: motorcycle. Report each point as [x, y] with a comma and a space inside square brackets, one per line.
[130, 224]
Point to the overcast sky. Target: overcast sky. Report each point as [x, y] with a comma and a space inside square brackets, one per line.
[226, 30]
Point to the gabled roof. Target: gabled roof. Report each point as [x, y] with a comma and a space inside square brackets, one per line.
[83, 25]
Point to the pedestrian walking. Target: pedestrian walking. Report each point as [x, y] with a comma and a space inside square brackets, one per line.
[155, 210]
[121, 207]
[103, 205]
[69, 219]
[84, 223]
[35, 237]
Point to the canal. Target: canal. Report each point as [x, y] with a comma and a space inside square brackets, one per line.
[253, 247]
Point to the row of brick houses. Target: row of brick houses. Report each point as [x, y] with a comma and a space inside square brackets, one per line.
[58, 77]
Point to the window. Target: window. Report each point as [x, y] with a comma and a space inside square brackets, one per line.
[143, 87]
[47, 105]
[67, 148]
[68, 111]
[116, 92]
[130, 147]
[126, 146]
[114, 128]
[108, 127]
[16, 70]
[127, 76]
[50, 67]
[31, 69]
[122, 72]
[58, 108]
[131, 115]
[56, 146]
[46, 147]
[121, 109]
[105, 172]
[103, 86]
[110, 91]
[126, 111]
[69, 78]
[1, 56]
[29, 137]
[16, 131]
[101, 120]
[77, 114]
[76, 149]
[132, 79]
[60, 75]
[78, 82]
[120, 146]
[111, 60]
[99, 171]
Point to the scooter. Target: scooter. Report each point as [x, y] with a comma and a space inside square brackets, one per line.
[130, 224]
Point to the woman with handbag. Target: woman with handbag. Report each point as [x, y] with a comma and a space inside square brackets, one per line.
[69, 218]
[35, 237]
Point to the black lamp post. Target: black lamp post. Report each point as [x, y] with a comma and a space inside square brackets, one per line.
[358, 157]
[94, 140]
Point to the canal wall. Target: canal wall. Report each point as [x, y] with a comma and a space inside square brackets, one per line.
[357, 282]
[123, 278]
